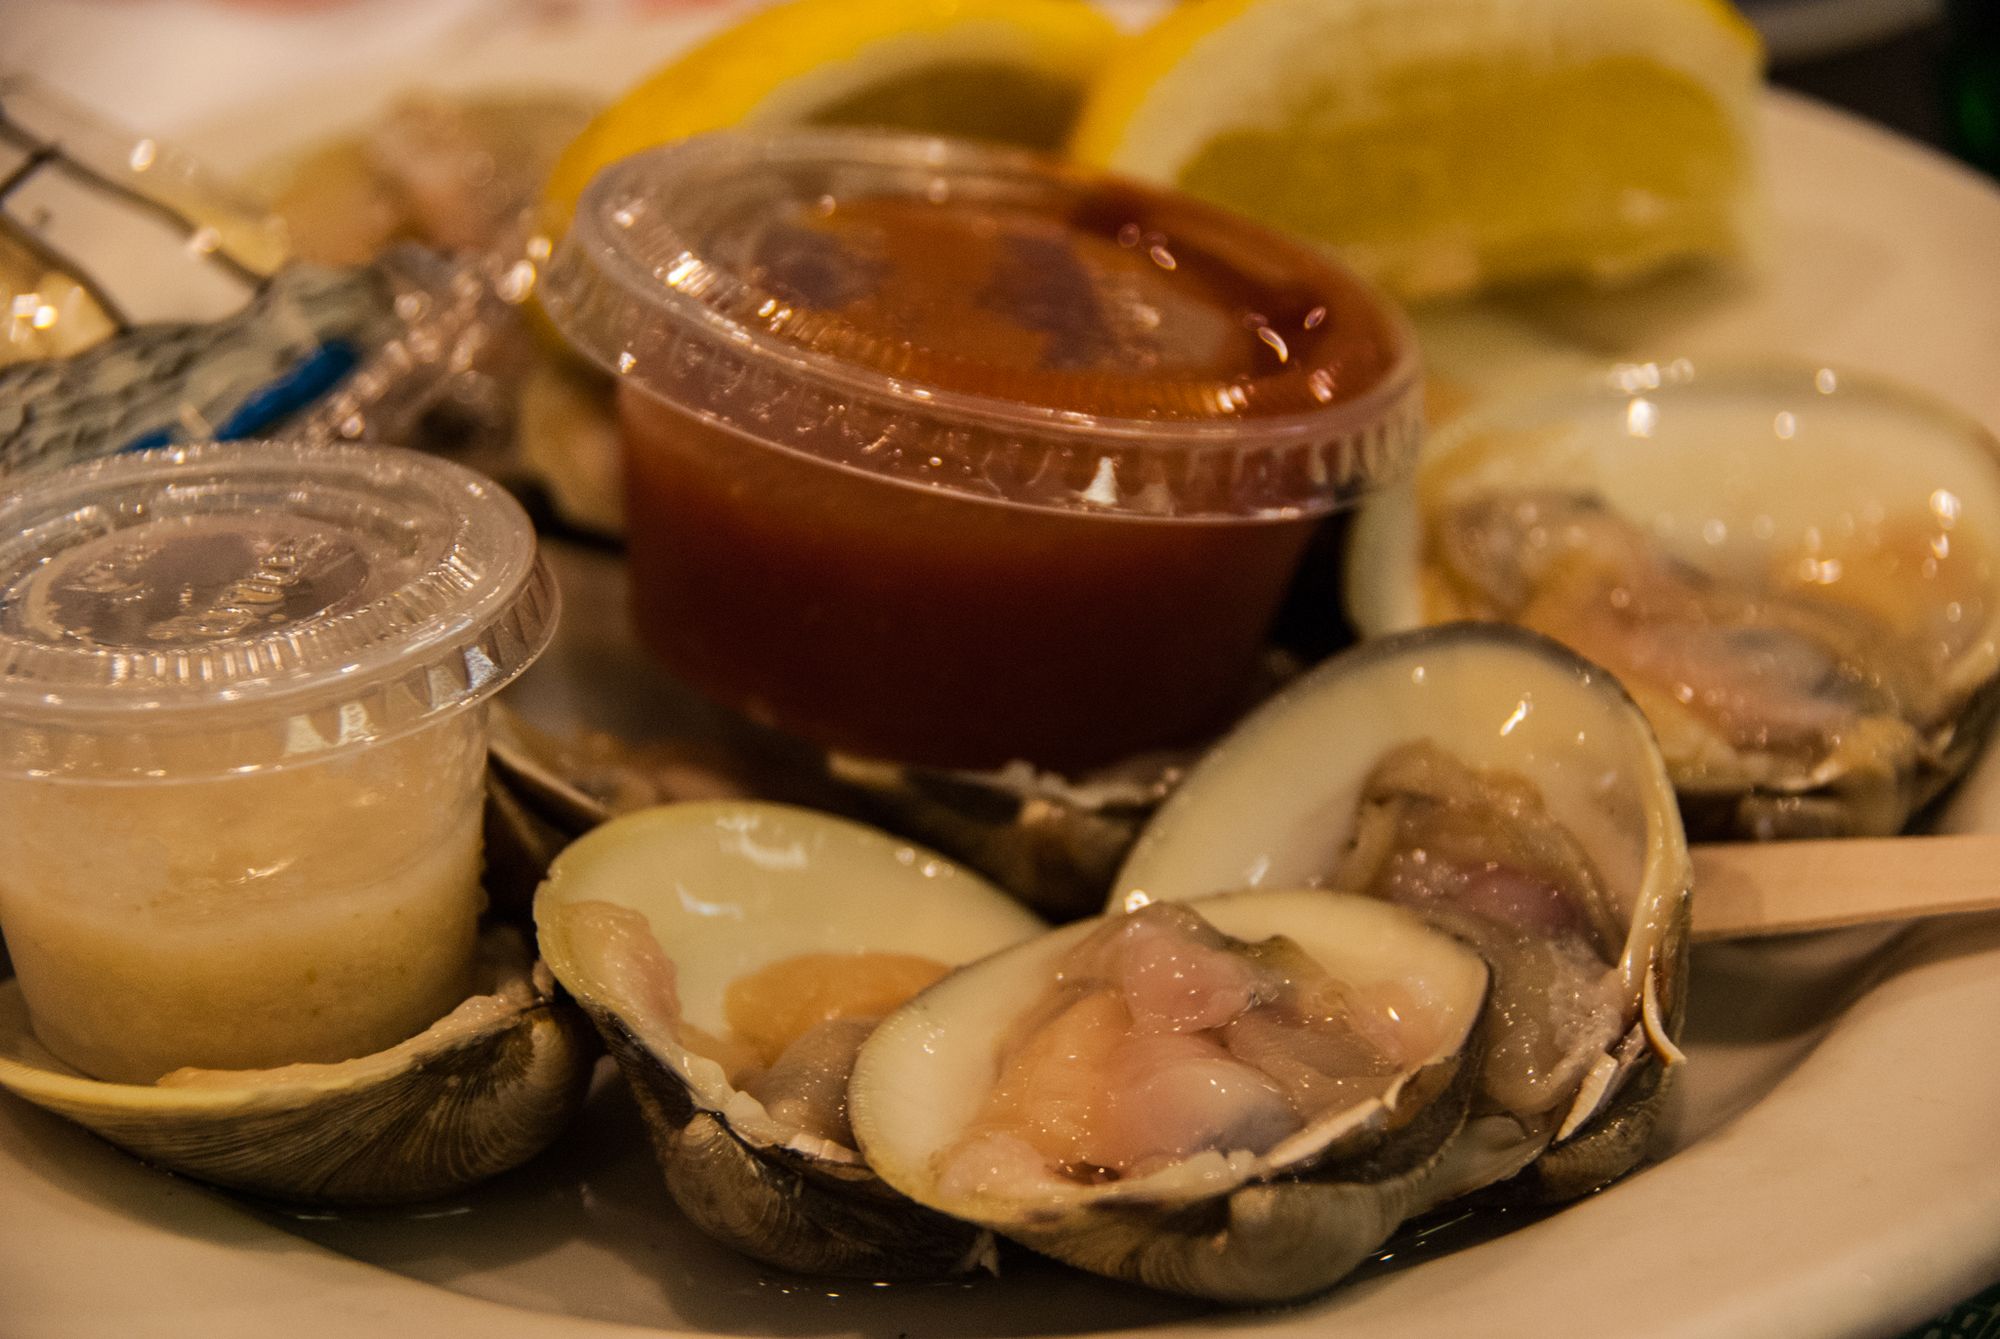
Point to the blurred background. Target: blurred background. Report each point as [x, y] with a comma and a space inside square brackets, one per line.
[1928, 69]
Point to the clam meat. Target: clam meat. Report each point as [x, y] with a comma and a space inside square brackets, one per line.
[1804, 603]
[735, 955]
[1236, 1098]
[1512, 795]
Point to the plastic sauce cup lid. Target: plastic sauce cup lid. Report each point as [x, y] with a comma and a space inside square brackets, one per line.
[988, 322]
[227, 607]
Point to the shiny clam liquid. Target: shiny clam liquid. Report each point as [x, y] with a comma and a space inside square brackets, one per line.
[1790, 567]
[1836, 495]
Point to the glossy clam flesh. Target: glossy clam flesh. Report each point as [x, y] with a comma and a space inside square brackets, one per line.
[1803, 600]
[1512, 795]
[1237, 1098]
[734, 955]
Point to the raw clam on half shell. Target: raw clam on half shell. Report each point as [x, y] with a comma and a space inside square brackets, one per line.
[1511, 793]
[1237, 1099]
[734, 955]
[1794, 571]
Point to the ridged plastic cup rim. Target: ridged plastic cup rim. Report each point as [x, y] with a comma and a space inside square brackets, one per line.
[591, 254]
[433, 621]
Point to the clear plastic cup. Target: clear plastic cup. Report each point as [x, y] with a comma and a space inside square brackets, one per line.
[242, 742]
[954, 454]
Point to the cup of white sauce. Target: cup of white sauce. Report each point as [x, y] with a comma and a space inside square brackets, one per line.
[242, 741]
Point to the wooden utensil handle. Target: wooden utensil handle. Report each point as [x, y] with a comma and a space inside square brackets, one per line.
[1747, 889]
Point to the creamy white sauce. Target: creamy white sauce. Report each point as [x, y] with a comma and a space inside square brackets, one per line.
[310, 913]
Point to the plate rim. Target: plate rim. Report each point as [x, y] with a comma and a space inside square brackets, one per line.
[106, 1212]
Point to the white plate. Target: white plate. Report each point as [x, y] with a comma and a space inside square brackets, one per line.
[1834, 1169]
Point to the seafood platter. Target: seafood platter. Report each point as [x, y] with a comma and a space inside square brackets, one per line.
[670, 675]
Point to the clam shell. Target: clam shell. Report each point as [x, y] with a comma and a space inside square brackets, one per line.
[1230, 1226]
[481, 1091]
[1274, 805]
[1052, 843]
[1728, 467]
[650, 917]
[787, 1206]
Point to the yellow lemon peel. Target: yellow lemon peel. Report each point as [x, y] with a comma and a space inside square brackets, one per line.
[1444, 145]
[1010, 70]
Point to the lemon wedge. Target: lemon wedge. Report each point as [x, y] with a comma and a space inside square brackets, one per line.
[1443, 145]
[1008, 70]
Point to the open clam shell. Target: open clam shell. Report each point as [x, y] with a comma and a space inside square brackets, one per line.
[1229, 1223]
[1278, 803]
[1053, 843]
[650, 919]
[481, 1091]
[1790, 566]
